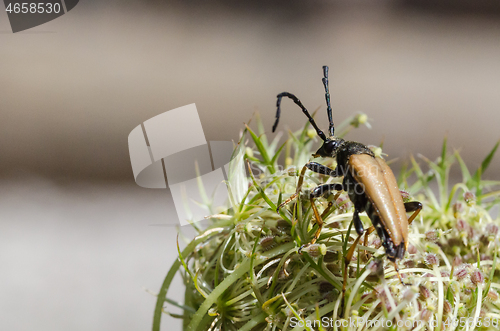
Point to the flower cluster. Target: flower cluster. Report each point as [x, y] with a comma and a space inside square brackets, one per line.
[245, 272]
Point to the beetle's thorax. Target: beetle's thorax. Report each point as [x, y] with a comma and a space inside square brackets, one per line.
[341, 149]
[349, 148]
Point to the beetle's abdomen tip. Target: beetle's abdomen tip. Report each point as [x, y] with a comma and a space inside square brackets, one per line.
[395, 253]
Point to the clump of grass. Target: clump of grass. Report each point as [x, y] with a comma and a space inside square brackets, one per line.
[244, 272]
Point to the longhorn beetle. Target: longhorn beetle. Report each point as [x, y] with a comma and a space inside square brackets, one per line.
[369, 183]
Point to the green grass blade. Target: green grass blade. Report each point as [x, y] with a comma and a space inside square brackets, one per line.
[162, 295]
[482, 168]
[262, 150]
[277, 154]
[261, 130]
[466, 177]
[180, 305]
[229, 280]
[442, 162]
[487, 160]
[266, 198]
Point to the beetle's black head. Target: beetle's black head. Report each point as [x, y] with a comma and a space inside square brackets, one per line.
[330, 147]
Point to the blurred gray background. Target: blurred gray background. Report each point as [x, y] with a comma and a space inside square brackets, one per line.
[80, 242]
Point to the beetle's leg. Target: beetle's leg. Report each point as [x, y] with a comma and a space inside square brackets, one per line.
[322, 190]
[414, 206]
[315, 193]
[365, 243]
[347, 261]
[319, 221]
[367, 233]
[318, 191]
[358, 225]
[299, 187]
[324, 170]
[330, 205]
[396, 268]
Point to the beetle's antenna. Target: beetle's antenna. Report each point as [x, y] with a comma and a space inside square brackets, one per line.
[327, 97]
[320, 133]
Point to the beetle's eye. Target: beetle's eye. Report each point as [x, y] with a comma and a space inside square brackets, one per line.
[329, 147]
